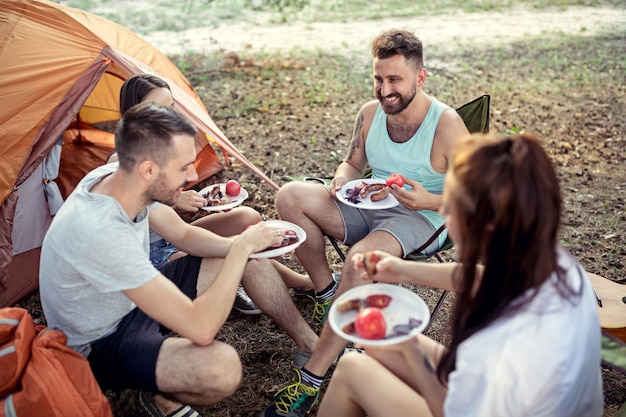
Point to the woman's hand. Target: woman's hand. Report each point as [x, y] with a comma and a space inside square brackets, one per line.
[388, 268]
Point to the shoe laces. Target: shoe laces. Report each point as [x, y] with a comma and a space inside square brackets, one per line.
[294, 395]
[241, 293]
[320, 310]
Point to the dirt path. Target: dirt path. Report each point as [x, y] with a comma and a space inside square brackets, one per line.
[442, 33]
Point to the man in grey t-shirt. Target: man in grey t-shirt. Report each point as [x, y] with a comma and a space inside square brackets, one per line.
[99, 286]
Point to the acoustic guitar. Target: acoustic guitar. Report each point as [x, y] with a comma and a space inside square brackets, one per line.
[611, 305]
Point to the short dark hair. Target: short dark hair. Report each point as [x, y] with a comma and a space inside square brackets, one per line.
[136, 88]
[396, 41]
[145, 132]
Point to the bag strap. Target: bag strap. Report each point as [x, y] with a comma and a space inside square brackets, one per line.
[431, 239]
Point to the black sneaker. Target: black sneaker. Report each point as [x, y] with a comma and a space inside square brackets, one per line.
[244, 304]
[295, 400]
[299, 292]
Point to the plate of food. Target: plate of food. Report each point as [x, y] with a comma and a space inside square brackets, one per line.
[219, 199]
[367, 194]
[378, 314]
[293, 236]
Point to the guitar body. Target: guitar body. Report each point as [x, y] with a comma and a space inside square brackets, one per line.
[613, 310]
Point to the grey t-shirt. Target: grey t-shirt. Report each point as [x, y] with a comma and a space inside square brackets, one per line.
[91, 253]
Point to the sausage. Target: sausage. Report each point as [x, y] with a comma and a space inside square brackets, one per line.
[371, 187]
[381, 195]
[353, 304]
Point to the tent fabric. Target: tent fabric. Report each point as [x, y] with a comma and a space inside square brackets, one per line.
[61, 66]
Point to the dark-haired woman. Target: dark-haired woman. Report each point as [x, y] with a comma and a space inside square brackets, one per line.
[525, 335]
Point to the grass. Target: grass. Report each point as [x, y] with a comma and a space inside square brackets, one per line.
[170, 15]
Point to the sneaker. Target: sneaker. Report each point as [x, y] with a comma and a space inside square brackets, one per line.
[300, 292]
[244, 304]
[147, 402]
[295, 400]
[320, 311]
[348, 350]
[311, 293]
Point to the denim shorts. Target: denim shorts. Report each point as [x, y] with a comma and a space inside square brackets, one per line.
[160, 252]
[126, 359]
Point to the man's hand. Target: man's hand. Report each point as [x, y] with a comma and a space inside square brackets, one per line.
[336, 184]
[190, 201]
[416, 199]
[259, 237]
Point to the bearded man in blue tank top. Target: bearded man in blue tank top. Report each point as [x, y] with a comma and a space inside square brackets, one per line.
[404, 131]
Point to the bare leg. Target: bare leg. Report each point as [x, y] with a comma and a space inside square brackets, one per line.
[310, 207]
[196, 375]
[291, 278]
[396, 364]
[202, 375]
[267, 290]
[229, 223]
[360, 385]
[187, 373]
[330, 345]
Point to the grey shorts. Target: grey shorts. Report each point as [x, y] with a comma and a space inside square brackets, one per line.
[409, 227]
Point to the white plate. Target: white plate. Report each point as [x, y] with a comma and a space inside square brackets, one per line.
[404, 305]
[273, 253]
[232, 201]
[366, 203]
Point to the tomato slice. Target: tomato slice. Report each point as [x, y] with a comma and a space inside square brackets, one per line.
[378, 300]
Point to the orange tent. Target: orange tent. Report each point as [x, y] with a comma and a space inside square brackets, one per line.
[60, 74]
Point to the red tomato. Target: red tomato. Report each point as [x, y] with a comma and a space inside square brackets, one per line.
[397, 179]
[378, 300]
[233, 188]
[370, 323]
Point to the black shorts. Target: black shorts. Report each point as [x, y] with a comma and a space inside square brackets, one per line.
[126, 359]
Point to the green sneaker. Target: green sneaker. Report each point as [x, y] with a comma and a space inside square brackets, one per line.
[295, 400]
[320, 311]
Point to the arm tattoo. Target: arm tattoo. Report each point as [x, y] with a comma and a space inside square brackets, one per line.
[356, 136]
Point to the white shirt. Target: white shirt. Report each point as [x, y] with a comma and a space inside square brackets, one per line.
[542, 361]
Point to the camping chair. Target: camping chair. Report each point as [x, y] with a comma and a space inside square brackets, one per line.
[475, 114]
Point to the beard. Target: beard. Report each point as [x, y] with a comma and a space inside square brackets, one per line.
[398, 106]
[160, 192]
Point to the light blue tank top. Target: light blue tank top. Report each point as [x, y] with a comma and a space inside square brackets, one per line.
[411, 158]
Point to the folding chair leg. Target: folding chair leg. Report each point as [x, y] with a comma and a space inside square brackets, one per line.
[436, 310]
[337, 248]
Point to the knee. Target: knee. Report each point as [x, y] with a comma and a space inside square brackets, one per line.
[289, 196]
[224, 379]
[347, 365]
[350, 275]
[248, 215]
